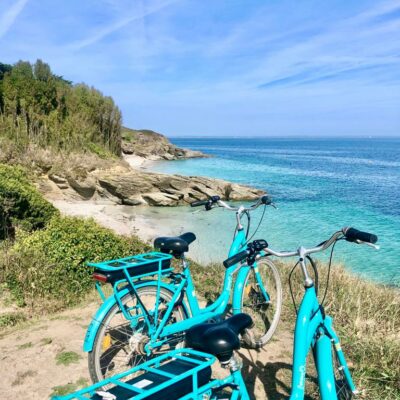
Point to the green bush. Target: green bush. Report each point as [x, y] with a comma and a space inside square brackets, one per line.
[20, 202]
[47, 268]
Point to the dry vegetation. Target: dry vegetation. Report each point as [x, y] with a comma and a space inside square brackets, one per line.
[366, 317]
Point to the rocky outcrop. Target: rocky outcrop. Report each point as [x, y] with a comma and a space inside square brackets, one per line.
[85, 177]
[123, 185]
[153, 146]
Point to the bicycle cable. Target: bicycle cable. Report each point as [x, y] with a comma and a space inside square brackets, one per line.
[248, 223]
[290, 286]
[329, 272]
[316, 277]
[259, 224]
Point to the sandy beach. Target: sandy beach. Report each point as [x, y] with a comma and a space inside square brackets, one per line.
[124, 220]
[147, 222]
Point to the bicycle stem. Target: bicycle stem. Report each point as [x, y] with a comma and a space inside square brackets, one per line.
[239, 213]
[308, 282]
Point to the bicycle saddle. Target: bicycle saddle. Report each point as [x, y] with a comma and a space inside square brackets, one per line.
[218, 338]
[175, 245]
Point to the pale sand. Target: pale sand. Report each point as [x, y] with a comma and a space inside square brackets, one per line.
[124, 220]
[137, 162]
[149, 222]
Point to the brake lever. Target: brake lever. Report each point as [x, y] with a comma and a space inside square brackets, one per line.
[374, 246]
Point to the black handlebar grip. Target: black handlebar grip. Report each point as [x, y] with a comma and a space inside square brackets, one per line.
[266, 200]
[353, 234]
[199, 203]
[235, 259]
[215, 199]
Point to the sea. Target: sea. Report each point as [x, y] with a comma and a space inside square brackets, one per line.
[318, 186]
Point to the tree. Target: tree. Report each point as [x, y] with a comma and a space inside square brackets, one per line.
[42, 71]
[40, 107]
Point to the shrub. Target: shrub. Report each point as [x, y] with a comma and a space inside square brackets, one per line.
[20, 202]
[47, 268]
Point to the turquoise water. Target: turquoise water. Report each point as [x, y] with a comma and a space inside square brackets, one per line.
[319, 185]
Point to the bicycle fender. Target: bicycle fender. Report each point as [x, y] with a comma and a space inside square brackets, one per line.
[105, 308]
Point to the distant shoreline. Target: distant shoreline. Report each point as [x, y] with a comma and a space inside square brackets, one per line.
[277, 137]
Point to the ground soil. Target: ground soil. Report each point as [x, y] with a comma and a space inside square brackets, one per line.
[29, 368]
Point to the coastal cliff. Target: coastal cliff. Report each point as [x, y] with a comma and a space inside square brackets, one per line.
[71, 140]
[121, 184]
[153, 146]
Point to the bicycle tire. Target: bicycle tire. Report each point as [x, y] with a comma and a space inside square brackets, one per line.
[258, 336]
[343, 390]
[97, 370]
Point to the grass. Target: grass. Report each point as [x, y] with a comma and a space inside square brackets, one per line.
[366, 317]
[11, 319]
[24, 346]
[62, 390]
[67, 357]
[46, 341]
[21, 376]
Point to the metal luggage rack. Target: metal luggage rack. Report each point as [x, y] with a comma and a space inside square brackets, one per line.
[139, 265]
[122, 273]
[140, 382]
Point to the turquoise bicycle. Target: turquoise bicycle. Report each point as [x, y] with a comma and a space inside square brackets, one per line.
[314, 329]
[152, 306]
[182, 374]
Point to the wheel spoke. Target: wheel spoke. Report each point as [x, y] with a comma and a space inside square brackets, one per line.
[119, 346]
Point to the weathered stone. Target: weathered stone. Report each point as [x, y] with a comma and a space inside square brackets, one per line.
[154, 146]
[133, 201]
[63, 185]
[57, 179]
[177, 193]
[85, 188]
[123, 185]
[127, 148]
[161, 199]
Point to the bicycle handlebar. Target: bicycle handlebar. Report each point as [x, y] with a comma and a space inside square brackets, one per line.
[199, 203]
[253, 249]
[236, 258]
[353, 234]
[214, 201]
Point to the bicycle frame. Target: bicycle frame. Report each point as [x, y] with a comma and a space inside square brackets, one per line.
[199, 362]
[314, 330]
[215, 309]
[159, 333]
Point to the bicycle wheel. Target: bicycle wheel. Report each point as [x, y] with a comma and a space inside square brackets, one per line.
[117, 346]
[343, 390]
[265, 314]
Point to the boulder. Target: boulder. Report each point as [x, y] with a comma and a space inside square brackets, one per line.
[57, 179]
[161, 199]
[85, 188]
[123, 185]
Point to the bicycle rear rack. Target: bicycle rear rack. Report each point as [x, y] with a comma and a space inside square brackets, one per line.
[122, 273]
[178, 374]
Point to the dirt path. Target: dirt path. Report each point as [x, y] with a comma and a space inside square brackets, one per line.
[46, 358]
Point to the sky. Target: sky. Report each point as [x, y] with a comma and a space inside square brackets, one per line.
[223, 67]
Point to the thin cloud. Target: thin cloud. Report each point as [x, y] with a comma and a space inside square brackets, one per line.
[100, 34]
[8, 18]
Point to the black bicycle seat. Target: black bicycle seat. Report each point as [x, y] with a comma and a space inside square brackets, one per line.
[218, 338]
[176, 245]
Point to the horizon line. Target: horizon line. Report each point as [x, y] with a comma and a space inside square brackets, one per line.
[369, 137]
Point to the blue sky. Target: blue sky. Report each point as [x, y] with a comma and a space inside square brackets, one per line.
[214, 67]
